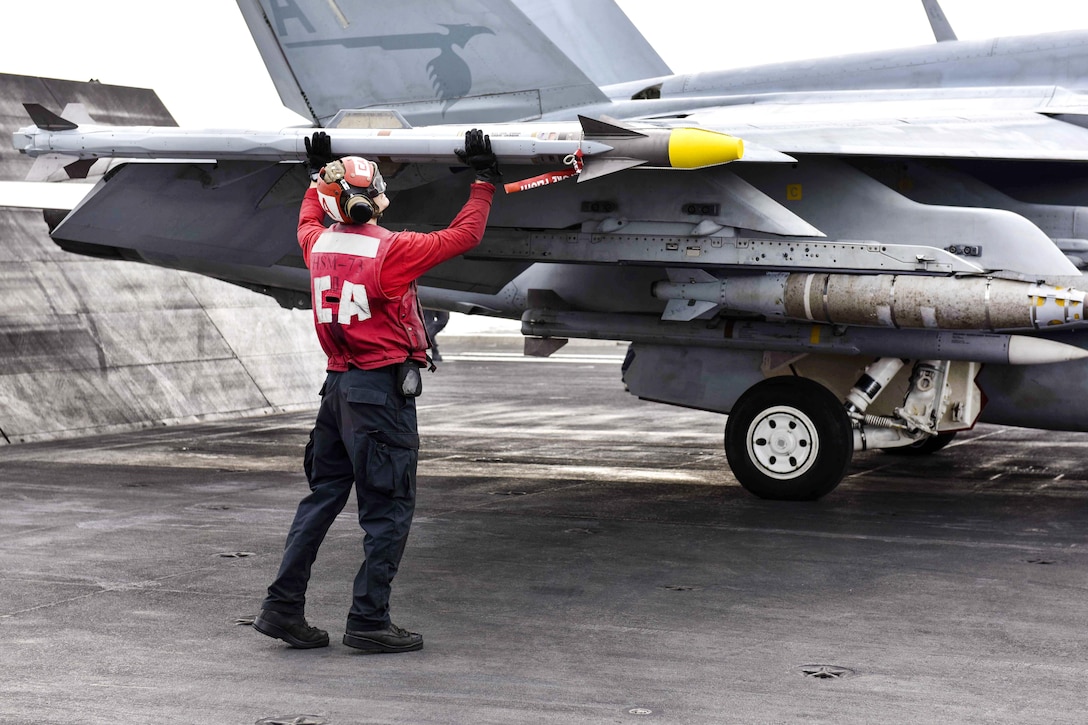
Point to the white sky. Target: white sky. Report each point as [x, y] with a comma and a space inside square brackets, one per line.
[199, 57]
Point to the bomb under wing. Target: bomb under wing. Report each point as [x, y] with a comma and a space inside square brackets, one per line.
[965, 345]
[896, 301]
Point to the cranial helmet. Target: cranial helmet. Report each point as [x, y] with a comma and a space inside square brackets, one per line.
[347, 187]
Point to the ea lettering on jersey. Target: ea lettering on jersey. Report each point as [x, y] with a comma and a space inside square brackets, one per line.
[339, 252]
[353, 302]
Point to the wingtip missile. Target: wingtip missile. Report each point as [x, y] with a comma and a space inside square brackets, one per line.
[606, 146]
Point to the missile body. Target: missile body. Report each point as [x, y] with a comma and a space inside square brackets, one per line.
[971, 346]
[606, 147]
[416, 145]
[897, 301]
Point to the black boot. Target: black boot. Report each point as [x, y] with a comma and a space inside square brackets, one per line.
[291, 628]
[388, 640]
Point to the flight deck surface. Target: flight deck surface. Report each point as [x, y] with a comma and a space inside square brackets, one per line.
[578, 556]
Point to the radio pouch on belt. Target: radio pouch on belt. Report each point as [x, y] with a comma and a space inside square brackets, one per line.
[409, 380]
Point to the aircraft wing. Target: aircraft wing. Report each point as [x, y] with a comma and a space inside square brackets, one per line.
[994, 123]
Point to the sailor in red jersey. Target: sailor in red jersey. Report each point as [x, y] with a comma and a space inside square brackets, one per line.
[369, 323]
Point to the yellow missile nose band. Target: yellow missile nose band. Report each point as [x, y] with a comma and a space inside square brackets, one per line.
[691, 148]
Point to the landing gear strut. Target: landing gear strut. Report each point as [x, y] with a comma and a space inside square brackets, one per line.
[925, 446]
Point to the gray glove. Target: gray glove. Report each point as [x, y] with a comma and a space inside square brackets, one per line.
[477, 154]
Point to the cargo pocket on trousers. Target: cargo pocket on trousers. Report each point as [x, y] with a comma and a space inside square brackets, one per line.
[391, 462]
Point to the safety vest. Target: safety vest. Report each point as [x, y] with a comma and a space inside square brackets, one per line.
[357, 325]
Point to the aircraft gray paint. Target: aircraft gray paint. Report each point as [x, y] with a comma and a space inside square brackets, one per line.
[896, 256]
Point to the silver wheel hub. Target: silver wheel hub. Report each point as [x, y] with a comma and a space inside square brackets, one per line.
[782, 442]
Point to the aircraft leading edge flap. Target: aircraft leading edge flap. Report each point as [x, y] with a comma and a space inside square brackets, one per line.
[417, 56]
[249, 212]
[1023, 135]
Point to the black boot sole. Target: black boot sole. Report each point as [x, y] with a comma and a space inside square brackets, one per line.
[373, 647]
[275, 632]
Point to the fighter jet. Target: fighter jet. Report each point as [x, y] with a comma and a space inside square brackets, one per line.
[864, 251]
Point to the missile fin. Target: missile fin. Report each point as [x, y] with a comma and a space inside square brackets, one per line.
[765, 154]
[543, 346]
[686, 310]
[50, 167]
[545, 299]
[593, 128]
[690, 276]
[596, 167]
[46, 120]
[76, 113]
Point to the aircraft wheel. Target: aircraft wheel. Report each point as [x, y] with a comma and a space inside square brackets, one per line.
[788, 439]
[929, 444]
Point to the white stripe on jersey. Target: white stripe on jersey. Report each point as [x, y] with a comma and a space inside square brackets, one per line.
[346, 243]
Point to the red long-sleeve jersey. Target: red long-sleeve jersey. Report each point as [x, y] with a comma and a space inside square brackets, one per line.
[363, 279]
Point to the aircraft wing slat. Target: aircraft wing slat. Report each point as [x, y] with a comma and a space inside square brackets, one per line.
[1028, 122]
[1027, 136]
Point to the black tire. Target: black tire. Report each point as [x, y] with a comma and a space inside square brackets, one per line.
[924, 447]
[789, 439]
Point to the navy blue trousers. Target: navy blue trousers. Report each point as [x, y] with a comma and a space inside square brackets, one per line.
[365, 437]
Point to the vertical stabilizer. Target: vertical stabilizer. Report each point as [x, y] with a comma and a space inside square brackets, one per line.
[264, 36]
[942, 29]
[463, 61]
[599, 37]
